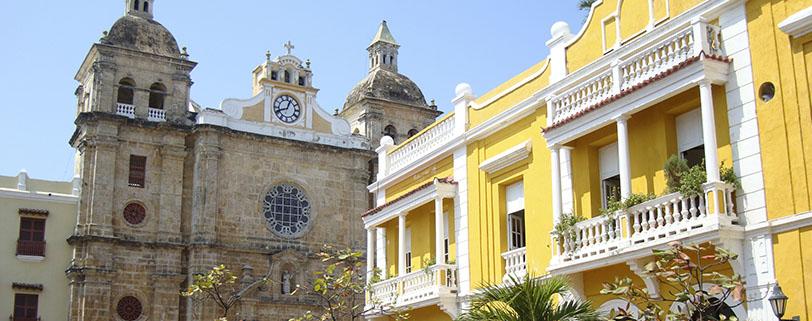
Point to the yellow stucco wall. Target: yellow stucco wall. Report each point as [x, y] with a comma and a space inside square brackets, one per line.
[50, 272]
[510, 98]
[420, 222]
[785, 125]
[486, 210]
[792, 269]
[440, 169]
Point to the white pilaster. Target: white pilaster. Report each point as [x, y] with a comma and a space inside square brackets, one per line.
[439, 231]
[555, 162]
[22, 180]
[566, 179]
[380, 251]
[402, 244]
[386, 145]
[560, 37]
[371, 252]
[624, 161]
[708, 130]
[464, 95]
[461, 220]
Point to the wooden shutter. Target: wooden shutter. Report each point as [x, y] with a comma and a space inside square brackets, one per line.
[138, 167]
[25, 306]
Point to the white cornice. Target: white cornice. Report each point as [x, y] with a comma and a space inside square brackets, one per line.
[797, 24]
[779, 225]
[506, 158]
[515, 86]
[39, 196]
[410, 202]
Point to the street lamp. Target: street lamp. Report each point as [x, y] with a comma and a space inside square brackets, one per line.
[778, 301]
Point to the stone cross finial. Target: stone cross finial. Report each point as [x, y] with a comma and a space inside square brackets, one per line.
[267, 55]
[289, 46]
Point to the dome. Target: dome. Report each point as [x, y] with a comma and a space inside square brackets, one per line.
[387, 85]
[142, 34]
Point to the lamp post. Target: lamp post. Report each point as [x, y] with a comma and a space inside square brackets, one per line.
[778, 301]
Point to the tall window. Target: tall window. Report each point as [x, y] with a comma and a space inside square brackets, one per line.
[446, 241]
[126, 91]
[514, 195]
[390, 131]
[287, 76]
[610, 174]
[157, 93]
[31, 240]
[408, 246]
[146, 6]
[25, 307]
[690, 142]
[135, 5]
[138, 167]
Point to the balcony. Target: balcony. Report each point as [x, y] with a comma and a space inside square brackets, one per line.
[30, 248]
[421, 144]
[155, 114]
[515, 264]
[651, 68]
[634, 232]
[125, 110]
[436, 284]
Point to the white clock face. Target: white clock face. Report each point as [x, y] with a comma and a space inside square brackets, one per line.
[286, 109]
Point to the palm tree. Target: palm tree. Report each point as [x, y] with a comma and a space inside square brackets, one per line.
[532, 300]
[585, 4]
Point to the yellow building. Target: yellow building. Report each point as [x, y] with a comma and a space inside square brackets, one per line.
[474, 197]
[38, 218]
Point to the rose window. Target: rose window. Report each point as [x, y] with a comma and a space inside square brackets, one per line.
[287, 210]
[129, 308]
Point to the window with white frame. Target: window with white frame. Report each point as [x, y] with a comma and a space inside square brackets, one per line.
[610, 174]
[690, 143]
[514, 196]
[408, 247]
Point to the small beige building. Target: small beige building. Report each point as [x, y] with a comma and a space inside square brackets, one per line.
[38, 217]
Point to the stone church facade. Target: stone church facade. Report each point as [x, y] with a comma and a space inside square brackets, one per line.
[170, 189]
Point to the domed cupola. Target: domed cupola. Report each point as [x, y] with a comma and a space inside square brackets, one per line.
[137, 30]
[384, 82]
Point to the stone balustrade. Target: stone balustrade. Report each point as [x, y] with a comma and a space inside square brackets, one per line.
[515, 264]
[126, 110]
[432, 283]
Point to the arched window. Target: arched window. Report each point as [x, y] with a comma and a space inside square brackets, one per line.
[136, 5]
[287, 76]
[391, 132]
[384, 59]
[157, 93]
[391, 60]
[413, 132]
[146, 6]
[126, 91]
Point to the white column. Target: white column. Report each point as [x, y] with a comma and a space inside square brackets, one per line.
[439, 230]
[402, 244]
[624, 163]
[555, 163]
[709, 130]
[380, 251]
[371, 235]
[567, 205]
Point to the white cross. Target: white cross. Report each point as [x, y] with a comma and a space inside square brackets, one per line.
[289, 46]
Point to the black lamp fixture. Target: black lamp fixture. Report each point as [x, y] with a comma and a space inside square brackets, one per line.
[778, 301]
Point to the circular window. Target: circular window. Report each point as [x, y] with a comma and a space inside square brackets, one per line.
[134, 213]
[129, 308]
[287, 210]
[766, 92]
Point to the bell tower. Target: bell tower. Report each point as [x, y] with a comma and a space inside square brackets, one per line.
[383, 51]
[141, 8]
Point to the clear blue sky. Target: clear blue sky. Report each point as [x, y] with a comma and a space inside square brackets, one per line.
[442, 43]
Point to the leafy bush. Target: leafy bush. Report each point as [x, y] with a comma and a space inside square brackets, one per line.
[691, 181]
[728, 175]
[674, 168]
[565, 225]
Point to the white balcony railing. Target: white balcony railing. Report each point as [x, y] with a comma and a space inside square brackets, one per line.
[672, 216]
[641, 66]
[420, 145]
[155, 114]
[416, 287]
[515, 264]
[125, 110]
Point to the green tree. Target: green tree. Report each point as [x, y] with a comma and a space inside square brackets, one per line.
[220, 287]
[585, 4]
[531, 299]
[684, 271]
[340, 287]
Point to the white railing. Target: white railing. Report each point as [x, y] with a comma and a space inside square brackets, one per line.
[515, 264]
[155, 114]
[429, 283]
[643, 64]
[669, 216]
[420, 145]
[125, 110]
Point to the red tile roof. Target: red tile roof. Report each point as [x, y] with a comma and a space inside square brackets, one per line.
[446, 180]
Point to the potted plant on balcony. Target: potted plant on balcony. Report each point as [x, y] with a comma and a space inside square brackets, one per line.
[565, 228]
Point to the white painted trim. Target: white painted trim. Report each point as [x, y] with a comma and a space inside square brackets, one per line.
[411, 202]
[515, 86]
[509, 157]
[798, 24]
[39, 196]
[31, 258]
[779, 225]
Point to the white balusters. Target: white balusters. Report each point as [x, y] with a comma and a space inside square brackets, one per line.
[155, 114]
[421, 145]
[125, 110]
[515, 263]
[427, 283]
